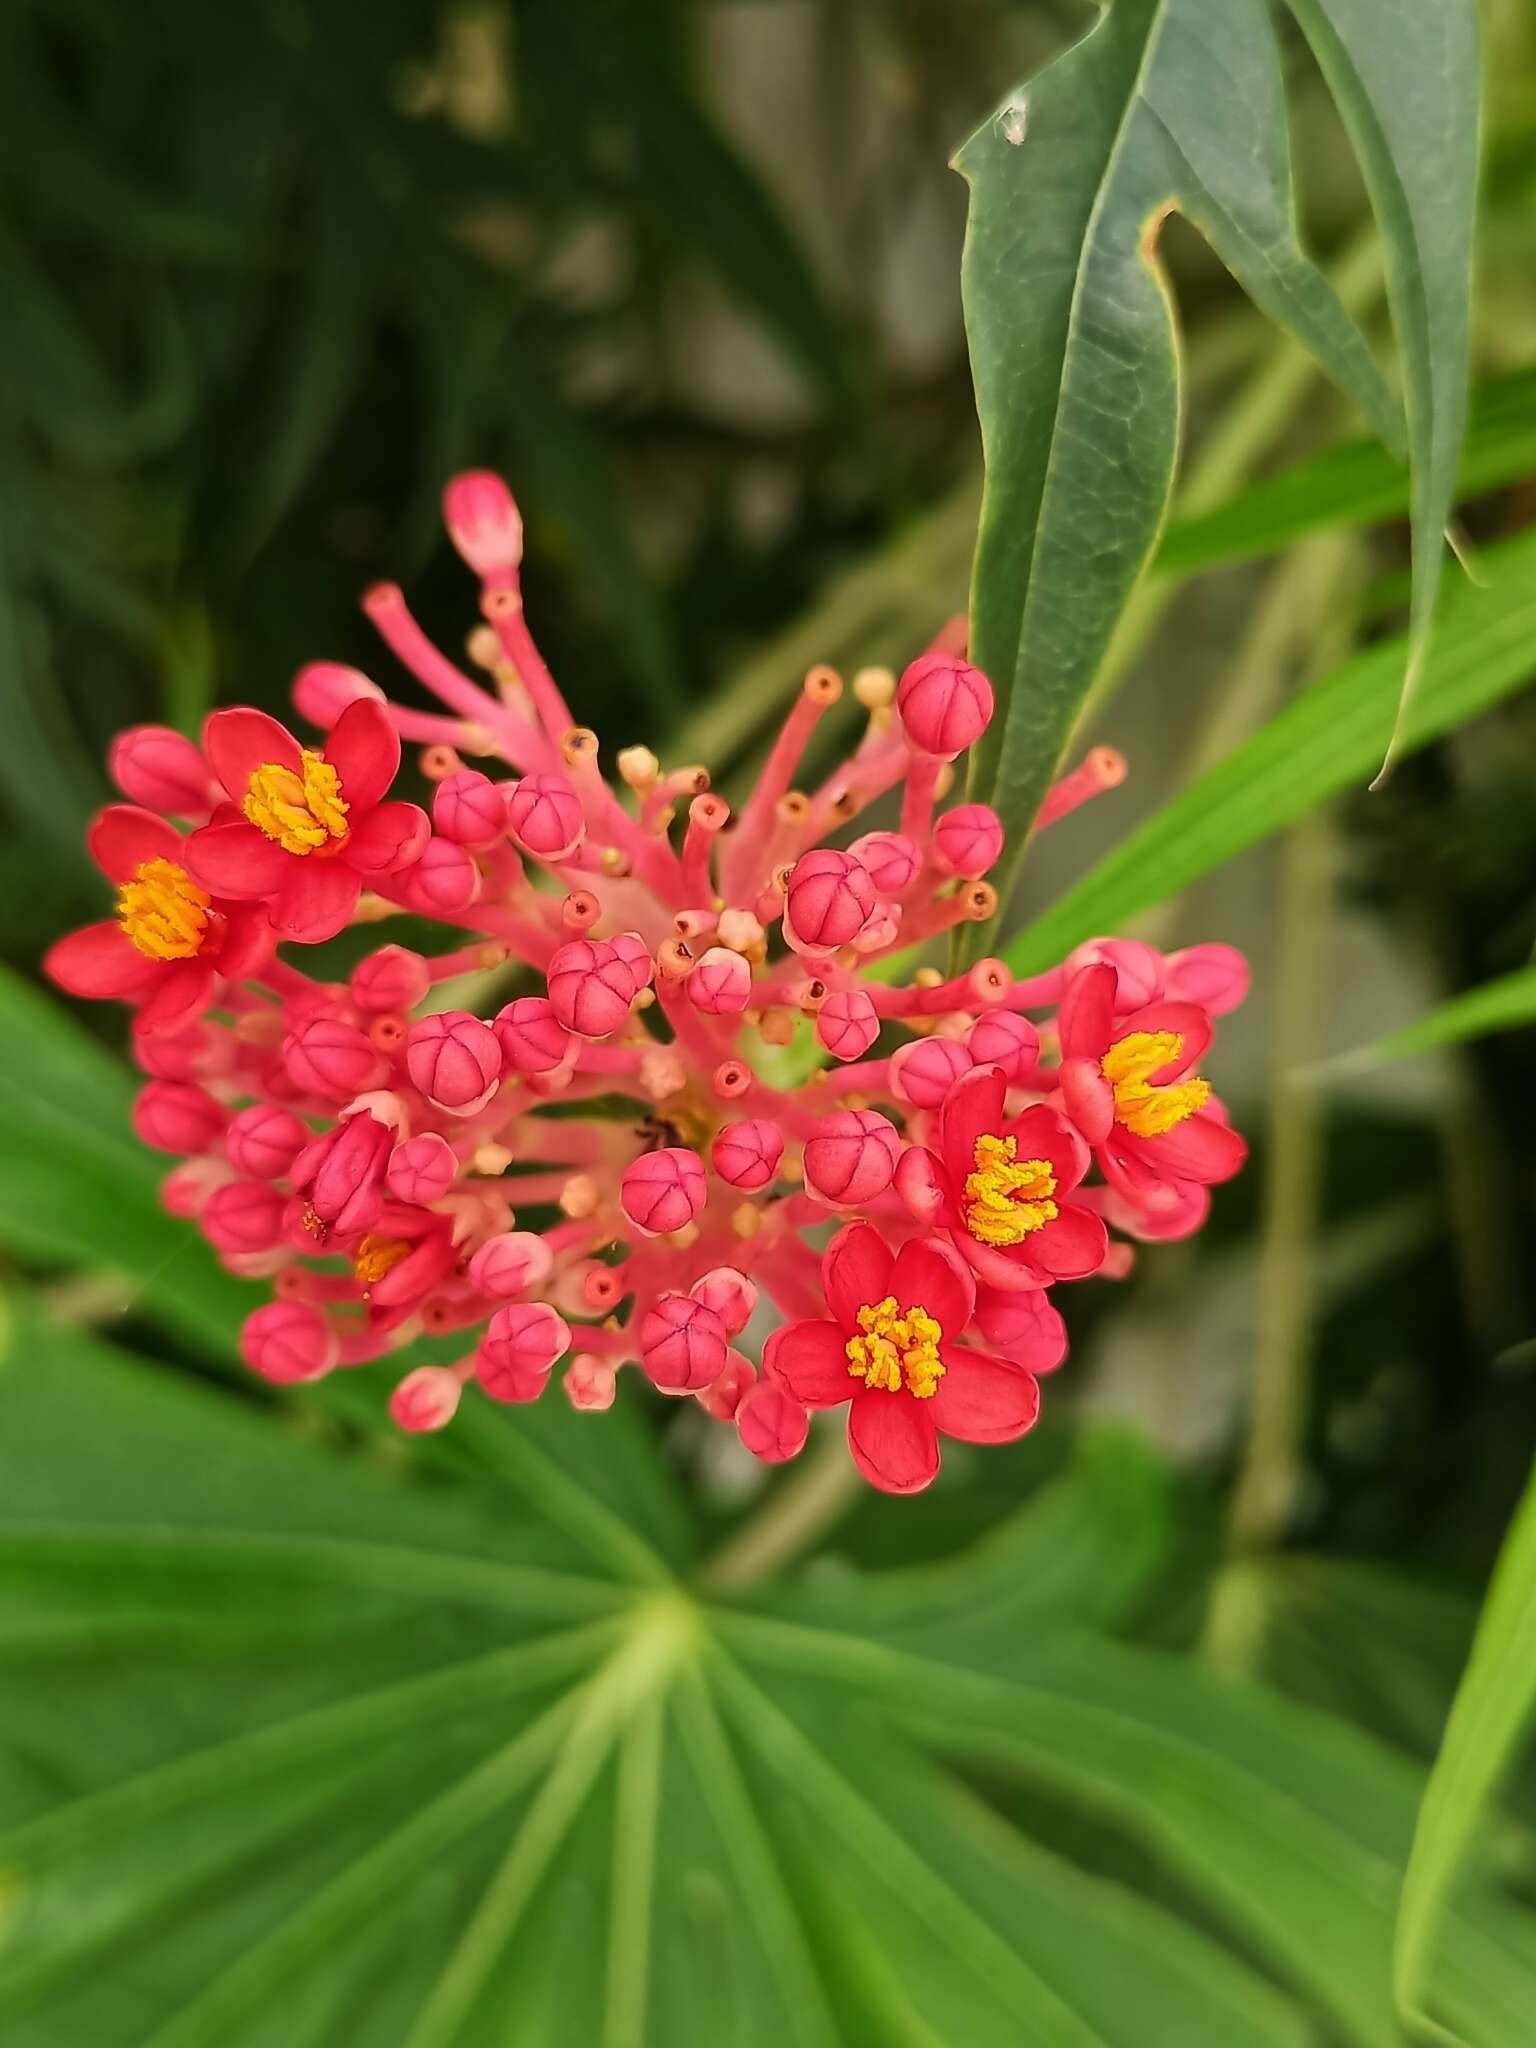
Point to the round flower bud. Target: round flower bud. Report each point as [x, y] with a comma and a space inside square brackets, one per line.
[1002, 1038]
[722, 1397]
[730, 1294]
[263, 1141]
[186, 1188]
[327, 1057]
[636, 955]
[772, 1424]
[454, 1060]
[442, 882]
[469, 809]
[944, 704]
[1214, 976]
[590, 1383]
[682, 1344]
[848, 1024]
[185, 1055]
[322, 690]
[544, 816]
[422, 1169]
[828, 898]
[484, 525]
[426, 1399]
[590, 987]
[244, 1216]
[393, 978]
[850, 1157]
[161, 769]
[924, 1071]
[1139, 969]
[520, 1346]
[721, 984]
[532, 1038]
[663, 1190]
[287, 1341]
[968, 840]
[509, 1265]
[891, 858]
[178, 1116]
[748, 1154]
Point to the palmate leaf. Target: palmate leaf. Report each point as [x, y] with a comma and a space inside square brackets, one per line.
[292, 1749]
[1178, 105]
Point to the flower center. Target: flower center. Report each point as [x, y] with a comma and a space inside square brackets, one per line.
[1007, 1197]
[376, 1256]
[1145, 1110]
[162, 912]
[899, 1348]
[300, 811]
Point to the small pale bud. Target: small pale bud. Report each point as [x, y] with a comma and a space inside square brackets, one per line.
[747, 1154]
[511, 1264]
[924, 1071]
[532, 1037]
[590, 1383]
[391, 979]
[454, 1059]
[426, 1399]
[968, 840]
[544, 816]
[422, 1169]
[263, 1141]
[682, 1344]
[468, 808]
[484, 525]
[721, 984]
[772, 1424]
[322, 690]
[891, 858]
[661, 1191]
[178, 1116]
[1002, 1038]
[286, 1341]
[730, 1294]
[848, 1024]
[244, 1216]
[850, 1157]
[520, 1346]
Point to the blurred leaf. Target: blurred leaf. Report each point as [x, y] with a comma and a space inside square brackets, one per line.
[1327, 739]
[1491, 1711]
[1508, 1004]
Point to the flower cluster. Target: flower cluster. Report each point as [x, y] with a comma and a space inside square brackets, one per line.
[737, 983]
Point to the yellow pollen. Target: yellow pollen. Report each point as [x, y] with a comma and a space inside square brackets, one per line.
[899, 1348]
[300, 811]
[1007, 1197]
[162, 911]
[375, 1256]
[1145, 1110]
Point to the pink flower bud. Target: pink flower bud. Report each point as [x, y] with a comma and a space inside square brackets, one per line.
[341, 1175]
[322, 690]
[1214, 976]
[722, 1397]
[393, 978]
[468, 808]
[1002, 1038]
[178, 1116]
[848, 1024]
[968, 840]
[1138, 969]
[509, 1265]
[636, 955]
[422, 1169]
[244, 1216]
[287, 1341]
[590, 1383]
[484, 525]
[829, 896]
[162, 770]
[184, 1055]
[772, 1423]
[729, 1293]
[544, 816]
[682, 1344]
[924, 1071]
[663, 1190]
[747, 1155]
[590, 987]
[426, 1399]
[945, 705]
[443, 881]
[519, 1349]
[327, 1057]
[454, 1060]
[891, 858]
[721, 984]
[263, 1141]
[850, 1157]
[532, 1038]
[186, 1188]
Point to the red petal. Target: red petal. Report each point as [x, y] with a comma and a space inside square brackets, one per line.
[1070, 1248]
[855, 1268]
[972, 1109]
[237, 861]
[1187, 1019]
[1041, 1134]
[1199, 1149]
[239, 741]
[811, 1359]
[364, 749]
[100, 962]
[391, 836]
[922, 1184]
[316, 901]
[933, 1276]
[1087, 1012]
[182, 994]
[894, 1441]
[983, 1400]
[247, 944]
[1024, 1327]
[122, 836]
[1087, 1098]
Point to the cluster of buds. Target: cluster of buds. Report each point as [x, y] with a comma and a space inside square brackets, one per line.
[744, 990]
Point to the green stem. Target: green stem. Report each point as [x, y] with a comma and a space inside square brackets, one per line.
[810, 1502]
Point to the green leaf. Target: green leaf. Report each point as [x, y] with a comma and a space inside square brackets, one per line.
[1508, 1004]
[1322, 743]
[1167, 105]
[1491, 1711]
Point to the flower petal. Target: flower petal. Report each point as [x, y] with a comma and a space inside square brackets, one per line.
[316, 901]
[811, 1359]
[1041, 1134]
[894, 1441]
[1187, 1020]
[856, 1268]
[933, 1276]
[237, 861]
[123, 835]
[364, 749]
[1087, 1012]
[239, 741]
[1087, 1098]
[972, 1108]
[390, 837]
[1023, 1326]
[1070, 1248]
[923, 1185]
[983, 1400]
[1202, 1148]
[100, 962]
[247, 943]
[180, 996]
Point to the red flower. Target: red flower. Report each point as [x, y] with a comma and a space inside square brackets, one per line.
[890, 1351]
[998, 1186]
[170, 938]
[304, 830]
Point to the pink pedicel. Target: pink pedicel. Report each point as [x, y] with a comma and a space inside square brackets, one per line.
[715, 1049]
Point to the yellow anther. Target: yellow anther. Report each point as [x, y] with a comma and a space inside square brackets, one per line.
[375, 1256]
[301, 811]
[162, 912]
[1007, 1197]
[1146, 1110]
[898, 1348]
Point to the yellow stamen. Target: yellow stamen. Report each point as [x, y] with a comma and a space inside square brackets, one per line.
[1146, 1110]
[300, 811]
[899, 1348]
[1007, 1197]
[375, 1256]
[162, 911]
